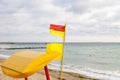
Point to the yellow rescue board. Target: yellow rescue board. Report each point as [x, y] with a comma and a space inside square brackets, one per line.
[25, 63]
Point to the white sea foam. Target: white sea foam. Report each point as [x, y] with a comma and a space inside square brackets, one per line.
[99, 74]
[3, 56]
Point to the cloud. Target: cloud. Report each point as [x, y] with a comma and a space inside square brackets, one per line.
[28, 20]
[77, 6]
[98, 21]
[84, 6]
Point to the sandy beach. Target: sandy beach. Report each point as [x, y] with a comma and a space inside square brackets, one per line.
[54, 75]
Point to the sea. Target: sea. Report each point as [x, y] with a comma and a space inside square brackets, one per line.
[99, 60]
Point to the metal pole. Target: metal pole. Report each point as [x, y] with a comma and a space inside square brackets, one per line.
[47, 72]
[62, 60]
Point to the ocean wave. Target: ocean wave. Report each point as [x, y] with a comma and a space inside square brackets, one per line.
[4, 56]
[93, 73]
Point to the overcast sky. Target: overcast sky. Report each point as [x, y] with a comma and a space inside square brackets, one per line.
[87, 20]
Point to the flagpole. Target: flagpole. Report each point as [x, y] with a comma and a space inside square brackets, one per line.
[62, 60]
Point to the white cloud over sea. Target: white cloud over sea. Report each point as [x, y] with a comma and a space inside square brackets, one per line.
[87, 20]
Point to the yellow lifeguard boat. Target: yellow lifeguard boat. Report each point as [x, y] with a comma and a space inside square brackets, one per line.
[25, 63]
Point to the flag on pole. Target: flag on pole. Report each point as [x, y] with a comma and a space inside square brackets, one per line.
[57, 30]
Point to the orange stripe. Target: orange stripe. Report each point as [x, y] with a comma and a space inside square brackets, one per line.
[57, 27]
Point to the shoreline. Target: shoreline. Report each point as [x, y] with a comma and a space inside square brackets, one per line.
[70, 75]
[54, 75]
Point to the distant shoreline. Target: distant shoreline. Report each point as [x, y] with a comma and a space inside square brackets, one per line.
[58, 42]
[24, 48]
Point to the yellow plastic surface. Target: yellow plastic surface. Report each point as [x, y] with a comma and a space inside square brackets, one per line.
[25, 63]
[55, 48]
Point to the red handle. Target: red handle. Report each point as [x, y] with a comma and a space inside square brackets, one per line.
[47, 72]
[26, 78]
